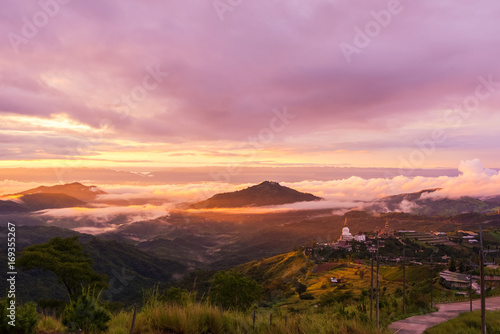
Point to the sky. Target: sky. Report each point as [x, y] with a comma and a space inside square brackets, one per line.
[153, 84]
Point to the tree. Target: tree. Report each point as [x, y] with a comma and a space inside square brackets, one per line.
[66, 259]
[361, 273]
[234, 291]
[300, 288]
[453, 266]
[461, 266]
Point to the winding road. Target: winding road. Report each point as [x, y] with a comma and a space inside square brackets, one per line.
[419, 323]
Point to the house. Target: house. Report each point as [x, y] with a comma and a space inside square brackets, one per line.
[468, 232]
[452, 280]
[360, 237]
[342, 244]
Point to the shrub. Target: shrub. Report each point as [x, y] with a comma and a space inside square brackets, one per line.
[300, 288]
[234, 291]
[178, 296]
[85, 314]
[306, 296]
[26, 319]
[51, 306]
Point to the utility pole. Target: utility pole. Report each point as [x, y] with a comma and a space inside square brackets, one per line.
[470, 283]
[432, 281]
[481, 269]
[378, 289]
[404, 282]
[371, 291]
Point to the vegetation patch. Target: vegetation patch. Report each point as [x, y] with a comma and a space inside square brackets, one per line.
[468, 323]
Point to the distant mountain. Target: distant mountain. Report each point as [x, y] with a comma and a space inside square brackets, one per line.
[493, 199]
[11, 207]
[75, 189]
[54, 197]
[394, 202]
[41, 201]
[263, 194]
[418, 203]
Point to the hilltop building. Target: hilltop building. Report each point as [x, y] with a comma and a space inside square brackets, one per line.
[360, 237]
[345, 239]
[346, 234]
[385, 231]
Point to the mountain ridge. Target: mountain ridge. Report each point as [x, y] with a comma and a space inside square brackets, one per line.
[50, 197]
[75, 189]
[263, 194]
[444, 206]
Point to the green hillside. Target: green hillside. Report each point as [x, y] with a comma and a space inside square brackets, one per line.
[129, 270]
[278, 274]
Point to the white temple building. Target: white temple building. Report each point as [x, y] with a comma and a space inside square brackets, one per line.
[346, 234]
[346, 237]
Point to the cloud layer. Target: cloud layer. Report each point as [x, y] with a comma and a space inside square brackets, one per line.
[340, 195]
[474, 180]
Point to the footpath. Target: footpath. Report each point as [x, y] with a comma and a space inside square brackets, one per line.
[419, 323]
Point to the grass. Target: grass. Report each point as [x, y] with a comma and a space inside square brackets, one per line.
[49, 324]
[157, 316]
[195, 318]
[468, 323]
[349, 274]
[280, 267]
[413, 273]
